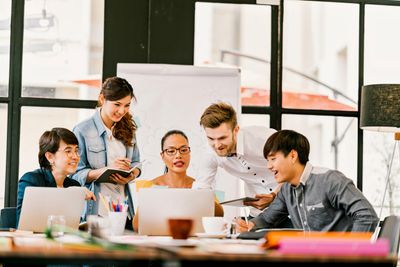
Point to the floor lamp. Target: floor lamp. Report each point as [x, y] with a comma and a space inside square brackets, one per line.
[380, 111]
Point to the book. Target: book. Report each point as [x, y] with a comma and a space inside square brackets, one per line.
[105, 176]
[239, 202]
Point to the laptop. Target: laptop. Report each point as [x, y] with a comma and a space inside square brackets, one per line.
[157, 205]
[40, 202]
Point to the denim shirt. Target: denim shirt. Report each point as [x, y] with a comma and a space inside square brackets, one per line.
[324, 200]
[92, 135]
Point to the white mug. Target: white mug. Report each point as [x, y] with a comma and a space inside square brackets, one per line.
[214, 225]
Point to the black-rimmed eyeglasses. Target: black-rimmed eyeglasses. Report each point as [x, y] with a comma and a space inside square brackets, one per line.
[171, 151]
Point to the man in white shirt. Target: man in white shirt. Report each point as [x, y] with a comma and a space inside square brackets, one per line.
[239, 152]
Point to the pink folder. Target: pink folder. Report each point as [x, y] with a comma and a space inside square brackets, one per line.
[334, 247]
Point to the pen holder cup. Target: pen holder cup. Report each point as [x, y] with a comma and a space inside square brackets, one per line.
[117, 222]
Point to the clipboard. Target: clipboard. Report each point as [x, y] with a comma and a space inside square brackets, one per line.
[239, 202]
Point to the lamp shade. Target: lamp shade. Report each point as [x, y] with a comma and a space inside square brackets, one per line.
[380, 107]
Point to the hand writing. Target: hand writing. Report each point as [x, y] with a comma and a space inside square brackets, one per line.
[242, 226]
[122, 163]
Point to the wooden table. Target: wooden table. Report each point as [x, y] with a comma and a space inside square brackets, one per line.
[145, 256]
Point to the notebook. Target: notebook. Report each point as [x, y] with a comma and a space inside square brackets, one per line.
[40, 202]
[157, 205]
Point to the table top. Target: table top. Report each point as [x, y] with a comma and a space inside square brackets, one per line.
[51, 251]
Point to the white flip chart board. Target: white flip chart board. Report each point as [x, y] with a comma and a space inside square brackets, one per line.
[174, 97]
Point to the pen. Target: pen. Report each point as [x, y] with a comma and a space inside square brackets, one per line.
[103, 200]
[246, 219]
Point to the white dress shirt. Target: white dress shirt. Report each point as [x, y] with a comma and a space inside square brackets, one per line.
[248, 164]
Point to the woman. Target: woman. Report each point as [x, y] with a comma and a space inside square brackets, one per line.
[58, 158]
[107, 139]
[175, 152]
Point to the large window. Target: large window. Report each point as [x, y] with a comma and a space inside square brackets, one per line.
[320, 56]
[31, 130]
[5, 19]
[240, 36]
[3, 145]
[333, 141]
[63, 44]
[303, 74]
[381, 66]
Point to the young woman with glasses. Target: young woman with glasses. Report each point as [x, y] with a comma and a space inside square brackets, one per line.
[107, 139]
[58, 158]
[175, 152]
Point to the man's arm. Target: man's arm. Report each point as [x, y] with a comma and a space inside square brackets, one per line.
[274, 215]
[344, 195]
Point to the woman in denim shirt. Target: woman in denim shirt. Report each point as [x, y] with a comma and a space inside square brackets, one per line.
[107, 139]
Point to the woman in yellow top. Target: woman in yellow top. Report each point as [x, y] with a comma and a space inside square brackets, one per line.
[175, 152]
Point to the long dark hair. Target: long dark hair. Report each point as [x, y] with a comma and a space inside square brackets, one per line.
[50, 142]
[113, 89]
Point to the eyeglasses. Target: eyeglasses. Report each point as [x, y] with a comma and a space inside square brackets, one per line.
[171, 151]
[70, 152]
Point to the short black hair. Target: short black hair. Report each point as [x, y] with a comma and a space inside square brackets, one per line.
[50, 142]
[285, 141]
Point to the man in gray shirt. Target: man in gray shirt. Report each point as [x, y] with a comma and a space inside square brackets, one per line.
[316, 199]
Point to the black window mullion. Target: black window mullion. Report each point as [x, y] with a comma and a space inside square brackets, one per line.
[360, 135]
[276, 66]
[14, 109]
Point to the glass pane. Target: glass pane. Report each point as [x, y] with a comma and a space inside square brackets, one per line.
[5, 19]
[377, 154]
[382, 42]
[254, 119]
[31, 130]
[63, 49]
[3, 147]
[320, 56]
[240, 36]
[333, 141]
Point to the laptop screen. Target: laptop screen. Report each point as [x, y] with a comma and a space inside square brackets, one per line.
[158, 205]
[40, 202]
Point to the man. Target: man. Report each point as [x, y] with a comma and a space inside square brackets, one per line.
[239, 152]
[315, 199]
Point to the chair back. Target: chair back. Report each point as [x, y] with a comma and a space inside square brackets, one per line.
[8, 217]
[391, 231]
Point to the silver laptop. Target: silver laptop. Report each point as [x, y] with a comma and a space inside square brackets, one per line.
[158, 205]
[40, 202]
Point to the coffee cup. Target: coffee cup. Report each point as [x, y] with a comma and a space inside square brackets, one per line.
[180, 228]
[214, 225]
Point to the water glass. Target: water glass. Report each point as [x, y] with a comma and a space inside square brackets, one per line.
[56, 224]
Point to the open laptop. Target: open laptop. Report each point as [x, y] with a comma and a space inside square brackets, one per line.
[158, 205]
[40, 202]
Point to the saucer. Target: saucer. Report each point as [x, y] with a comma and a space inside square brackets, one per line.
[210, 235]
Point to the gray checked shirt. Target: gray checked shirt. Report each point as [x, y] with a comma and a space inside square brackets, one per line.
[324, 200]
